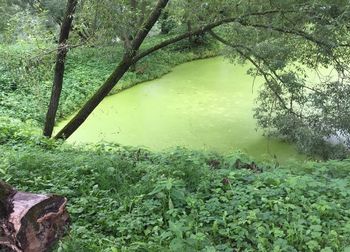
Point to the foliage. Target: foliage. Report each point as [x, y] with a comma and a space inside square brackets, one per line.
[16, 133]
[125, 199]
[28, 56]
[303, 59]
[25, 80]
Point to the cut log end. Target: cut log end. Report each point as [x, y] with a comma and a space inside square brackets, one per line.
[31, 222]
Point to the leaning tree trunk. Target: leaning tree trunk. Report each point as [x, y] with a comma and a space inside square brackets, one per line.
[59, 68]
[30, 222]
[122, 68]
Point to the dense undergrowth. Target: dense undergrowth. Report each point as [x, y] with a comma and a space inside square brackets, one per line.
[26, 74]
[125, 199]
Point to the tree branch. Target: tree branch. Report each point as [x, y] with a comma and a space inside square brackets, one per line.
[265, 75]
[225, 42]
[204, 29]
[294, 32]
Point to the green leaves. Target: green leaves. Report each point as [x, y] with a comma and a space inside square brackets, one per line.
[153, 206]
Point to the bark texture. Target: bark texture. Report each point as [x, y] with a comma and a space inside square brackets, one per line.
[59, 68]
[30, 222]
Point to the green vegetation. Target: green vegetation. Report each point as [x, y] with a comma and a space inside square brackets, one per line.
[126, 199]
[105, 56]
[25, 88]
[131, 199]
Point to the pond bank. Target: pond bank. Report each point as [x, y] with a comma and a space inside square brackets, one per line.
[204, 104]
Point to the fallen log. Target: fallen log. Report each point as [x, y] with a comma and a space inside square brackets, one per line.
[30, 222]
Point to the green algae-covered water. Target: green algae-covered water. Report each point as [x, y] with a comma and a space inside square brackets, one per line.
[205, 104]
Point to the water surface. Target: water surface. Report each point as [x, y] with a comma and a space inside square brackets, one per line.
[205, 104]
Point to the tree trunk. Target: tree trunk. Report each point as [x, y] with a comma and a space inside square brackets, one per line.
[30, 222]
[59, 68]
[118, 73]
[133, 4]
[189, 29]
[127, 39]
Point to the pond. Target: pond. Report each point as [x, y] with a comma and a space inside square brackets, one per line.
[205, 104]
